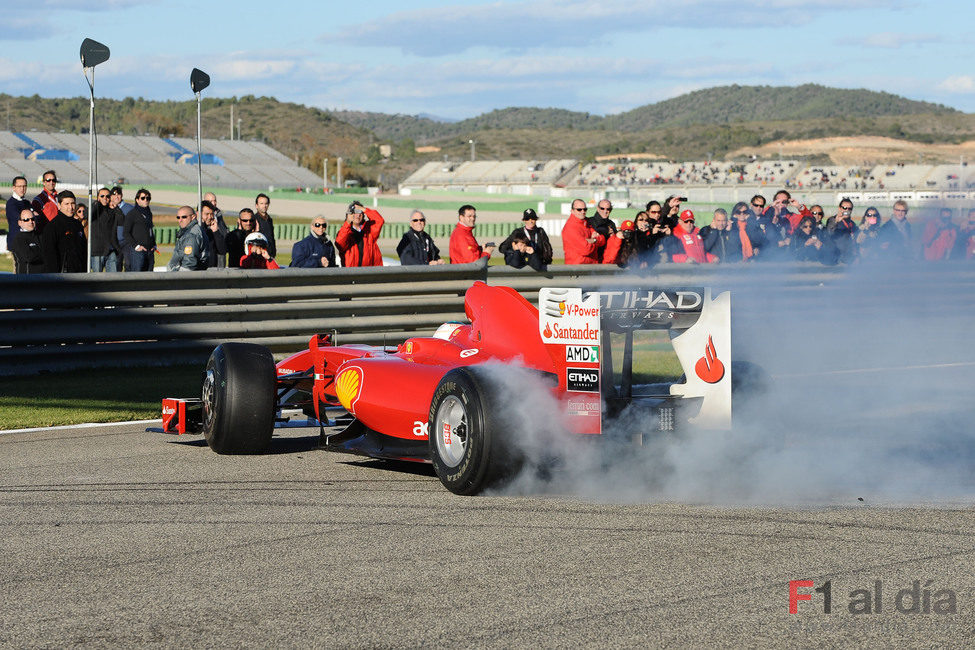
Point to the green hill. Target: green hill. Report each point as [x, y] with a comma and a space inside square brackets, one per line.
[729, 104]
[712, 121]
[721, 105]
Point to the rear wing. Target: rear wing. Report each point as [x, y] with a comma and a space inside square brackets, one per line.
[574, 325]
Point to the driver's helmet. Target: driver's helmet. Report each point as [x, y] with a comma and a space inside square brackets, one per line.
[254, 239]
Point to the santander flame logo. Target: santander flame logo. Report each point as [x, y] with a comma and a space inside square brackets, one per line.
[548, 331]
[709, 367]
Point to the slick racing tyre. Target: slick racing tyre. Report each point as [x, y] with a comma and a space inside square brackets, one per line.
[470, 434]
[239, 399]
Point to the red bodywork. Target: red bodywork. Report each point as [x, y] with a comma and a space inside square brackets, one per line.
[390, 392]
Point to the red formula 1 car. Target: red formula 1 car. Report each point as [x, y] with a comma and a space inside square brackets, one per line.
[438, 399]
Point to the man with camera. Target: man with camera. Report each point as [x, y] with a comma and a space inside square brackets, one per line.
[463, 247]
[356, 239]
[536, 236]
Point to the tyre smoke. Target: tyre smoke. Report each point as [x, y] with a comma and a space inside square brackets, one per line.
[870, 400]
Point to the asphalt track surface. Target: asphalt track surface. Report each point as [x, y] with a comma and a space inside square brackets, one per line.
[856, 469]
[114, 536]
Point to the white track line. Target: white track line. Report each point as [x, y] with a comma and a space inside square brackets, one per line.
[78, 426]
[960, 364]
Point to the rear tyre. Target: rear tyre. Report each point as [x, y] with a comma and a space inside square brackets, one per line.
[748, 380]
[470, 436]
[239, 399]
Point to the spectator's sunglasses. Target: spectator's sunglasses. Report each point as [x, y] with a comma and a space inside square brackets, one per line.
[50, 180]
[314, 225]
[103, 196]
[142, 197]
[817, 214]
[27, 219]
[872, 214]
[808, 226]
[758, 205]
[418, 220]
[742, 211]
[606, 209]
[657, 211]
[580, 209]
[245, 220]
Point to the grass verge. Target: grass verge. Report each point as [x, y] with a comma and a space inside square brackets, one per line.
[80, 396]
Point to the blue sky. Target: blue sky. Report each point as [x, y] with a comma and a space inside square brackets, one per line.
[464, 58]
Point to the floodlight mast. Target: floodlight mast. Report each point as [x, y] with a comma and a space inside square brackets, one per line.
[198, 81]
[92, 53]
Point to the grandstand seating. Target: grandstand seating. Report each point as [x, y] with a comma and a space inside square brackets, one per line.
[147, 160]
[791, 174]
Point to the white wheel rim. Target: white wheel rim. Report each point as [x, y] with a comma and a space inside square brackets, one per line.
[450, 429]
[208, 397]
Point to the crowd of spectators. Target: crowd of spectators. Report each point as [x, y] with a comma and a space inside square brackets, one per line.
[755, 231]
[50, 234]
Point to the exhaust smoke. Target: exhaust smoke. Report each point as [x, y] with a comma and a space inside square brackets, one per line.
[870, 399]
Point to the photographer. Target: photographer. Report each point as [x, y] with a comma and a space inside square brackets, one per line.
[356, 239]
[621, 247]
[670, 210]
[808, 246]
[653, 246]
[257, 255]
[521, 253]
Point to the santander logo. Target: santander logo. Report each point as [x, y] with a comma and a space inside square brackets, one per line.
[709, 367]
[548, 331]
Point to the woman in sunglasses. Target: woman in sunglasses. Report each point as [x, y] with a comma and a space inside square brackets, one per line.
[747, 239]
[869, 233]
[809, 245]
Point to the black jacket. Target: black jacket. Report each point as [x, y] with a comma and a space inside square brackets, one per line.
[893, 243]
[216, 245]
[520, 260]
[266, 228]
[64, 245]
[138, 228]
[538, 239]
[235, 246]
[716, 242]
[26, 248]
[417, 248]
[102, 230]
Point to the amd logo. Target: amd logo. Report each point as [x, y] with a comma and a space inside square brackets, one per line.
[582, 380]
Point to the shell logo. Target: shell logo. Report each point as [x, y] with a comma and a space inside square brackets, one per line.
[562, 308]
[347, 386]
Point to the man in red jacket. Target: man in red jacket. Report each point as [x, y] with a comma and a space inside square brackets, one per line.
[690, 238]
[463, 247]
[580, 243]
[356, 239]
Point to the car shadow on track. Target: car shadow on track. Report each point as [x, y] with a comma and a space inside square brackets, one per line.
[398, 466]
[289, 445]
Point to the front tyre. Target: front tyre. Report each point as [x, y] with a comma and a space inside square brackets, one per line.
[469, 436]
[239, 399]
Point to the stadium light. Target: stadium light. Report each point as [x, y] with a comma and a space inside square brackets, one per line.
[92, 53]
[198, 81]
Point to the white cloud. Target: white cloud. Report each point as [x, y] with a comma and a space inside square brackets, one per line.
[519, 26]
[92, 5]
[895, 40]
[958, 84]
[251, 69]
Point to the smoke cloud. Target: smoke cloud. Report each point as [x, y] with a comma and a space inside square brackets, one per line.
[870, 399]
